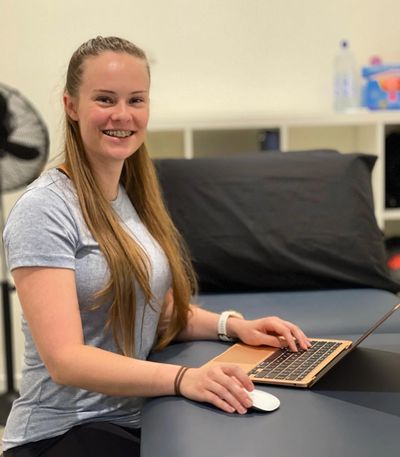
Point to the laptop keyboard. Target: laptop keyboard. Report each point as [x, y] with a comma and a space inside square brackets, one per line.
[293, 366]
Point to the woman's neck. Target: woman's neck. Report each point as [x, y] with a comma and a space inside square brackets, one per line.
[107, 180]
[109, 184]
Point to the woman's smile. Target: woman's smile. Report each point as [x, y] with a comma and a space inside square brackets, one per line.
[118, 133]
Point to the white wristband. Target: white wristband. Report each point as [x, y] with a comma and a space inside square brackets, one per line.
[222, 334]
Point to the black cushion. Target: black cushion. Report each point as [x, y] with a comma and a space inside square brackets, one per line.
[278, 221]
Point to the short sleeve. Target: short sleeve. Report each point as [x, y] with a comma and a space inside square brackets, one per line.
[40, 231]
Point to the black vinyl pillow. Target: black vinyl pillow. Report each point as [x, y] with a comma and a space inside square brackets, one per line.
[278, 221]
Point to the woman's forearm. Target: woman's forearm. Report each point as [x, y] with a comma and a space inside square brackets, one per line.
[202, 325]
[95, 369]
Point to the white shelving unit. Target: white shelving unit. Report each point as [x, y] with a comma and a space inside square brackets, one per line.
[356, 132]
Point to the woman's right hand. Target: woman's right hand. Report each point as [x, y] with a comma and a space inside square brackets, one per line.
[221, 385]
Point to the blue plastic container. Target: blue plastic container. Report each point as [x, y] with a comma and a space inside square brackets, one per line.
[381, 89]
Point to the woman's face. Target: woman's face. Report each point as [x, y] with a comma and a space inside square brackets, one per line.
[112, 107]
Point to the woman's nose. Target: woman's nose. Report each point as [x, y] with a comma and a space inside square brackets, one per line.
[120, 112]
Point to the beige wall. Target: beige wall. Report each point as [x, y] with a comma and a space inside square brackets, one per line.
[209, 57]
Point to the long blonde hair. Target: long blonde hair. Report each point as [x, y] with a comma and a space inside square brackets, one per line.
[125, 258]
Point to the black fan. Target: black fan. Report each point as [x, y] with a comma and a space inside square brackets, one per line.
[24, 145]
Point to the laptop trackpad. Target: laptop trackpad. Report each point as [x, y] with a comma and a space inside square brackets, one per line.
[245, 356]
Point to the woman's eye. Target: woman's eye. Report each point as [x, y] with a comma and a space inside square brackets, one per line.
[104, 99]
[136, 100]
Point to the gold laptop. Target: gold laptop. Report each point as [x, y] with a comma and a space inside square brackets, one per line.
[269, 365]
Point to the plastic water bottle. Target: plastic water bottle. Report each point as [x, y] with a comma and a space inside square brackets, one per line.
[346, 91]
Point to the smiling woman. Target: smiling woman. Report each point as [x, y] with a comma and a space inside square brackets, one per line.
[103, 278]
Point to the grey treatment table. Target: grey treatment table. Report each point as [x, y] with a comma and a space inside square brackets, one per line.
[354, 410]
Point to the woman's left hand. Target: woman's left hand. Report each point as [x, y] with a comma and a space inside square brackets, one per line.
[269, 331]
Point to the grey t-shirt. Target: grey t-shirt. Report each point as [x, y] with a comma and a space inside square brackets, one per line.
[46, 228]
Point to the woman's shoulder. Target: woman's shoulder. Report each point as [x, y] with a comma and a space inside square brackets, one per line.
[50, 198]
[51, 189]
[50, 183]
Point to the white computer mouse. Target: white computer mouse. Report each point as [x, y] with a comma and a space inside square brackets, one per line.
[263, 401]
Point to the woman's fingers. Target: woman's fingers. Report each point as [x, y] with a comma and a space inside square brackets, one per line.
[224, 395]
[300, 336]
[221, 385]
[230, 382]
[217, 401]
[277, 332]
[283, 329]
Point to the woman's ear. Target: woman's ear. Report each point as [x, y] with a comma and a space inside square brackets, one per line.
[70, 106]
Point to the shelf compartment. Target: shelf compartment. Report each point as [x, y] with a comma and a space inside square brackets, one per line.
[343, 138]
[236, 141]
[166, 144]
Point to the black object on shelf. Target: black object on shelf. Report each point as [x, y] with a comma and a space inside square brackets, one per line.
[269, 140]
[392, 170]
